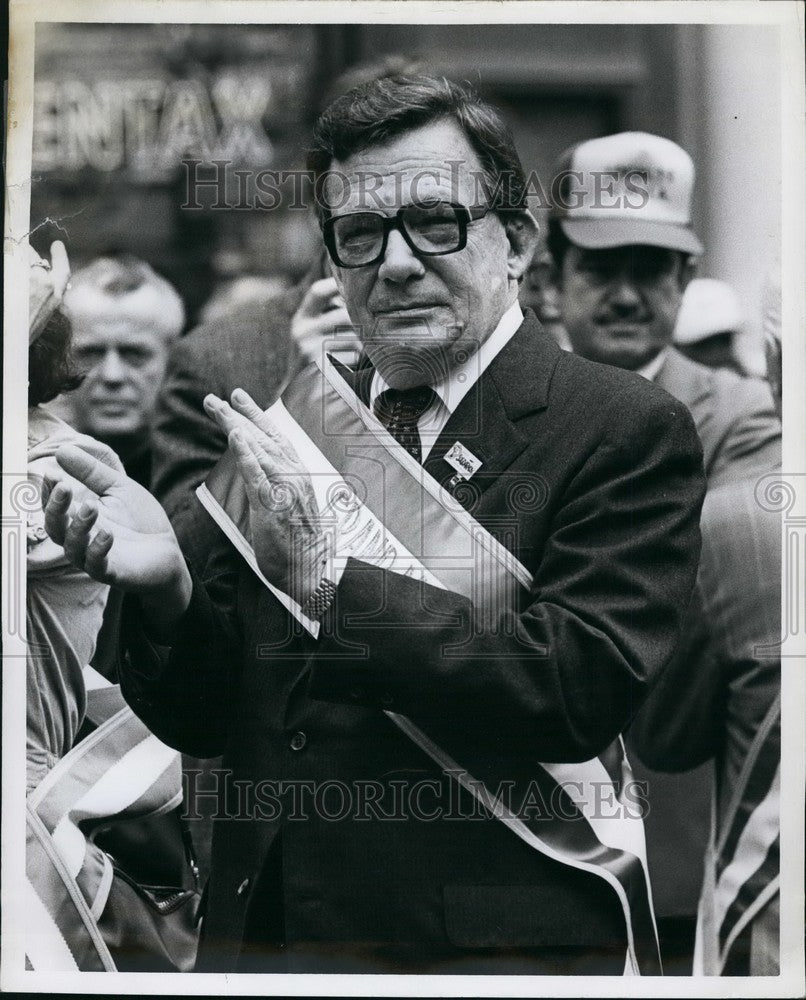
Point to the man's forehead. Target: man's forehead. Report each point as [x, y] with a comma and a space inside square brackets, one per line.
[436, 160]
[134, 330]
[141, 313]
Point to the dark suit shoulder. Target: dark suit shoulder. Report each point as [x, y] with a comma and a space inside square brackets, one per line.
[604, 392]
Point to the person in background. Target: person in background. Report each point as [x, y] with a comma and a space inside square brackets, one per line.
[124, 318]
[539, 293]
[721, 700]
[624, 252]
[709, 319]
[230, 295]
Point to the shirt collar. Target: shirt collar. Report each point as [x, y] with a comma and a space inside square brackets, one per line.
[651, 368]
[460, 380]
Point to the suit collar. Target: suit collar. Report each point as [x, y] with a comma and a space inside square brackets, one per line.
[684, 379]
[516, 383]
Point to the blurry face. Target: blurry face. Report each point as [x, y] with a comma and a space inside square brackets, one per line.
[419, 316]
[125, 358]
[620, 305]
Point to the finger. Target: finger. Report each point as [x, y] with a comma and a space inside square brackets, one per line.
[81, 465]
[247, 407]
[61, 496]
[77, 537]
[249, 467]
[317, 297]
[329, 322]
[60, 268]
[96, 563]
[223, 414]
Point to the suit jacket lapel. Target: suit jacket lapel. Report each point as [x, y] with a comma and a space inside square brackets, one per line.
[514, 385]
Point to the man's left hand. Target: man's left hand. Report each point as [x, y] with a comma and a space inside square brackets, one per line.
[289, 544]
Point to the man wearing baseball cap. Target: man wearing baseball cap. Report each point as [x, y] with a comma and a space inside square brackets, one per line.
[624, 250]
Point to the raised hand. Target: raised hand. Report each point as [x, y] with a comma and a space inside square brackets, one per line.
[321, 314]
[48, 281]
[290, 546]
[122, 538]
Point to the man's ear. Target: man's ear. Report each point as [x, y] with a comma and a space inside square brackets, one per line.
[687, 272]
[522, 231]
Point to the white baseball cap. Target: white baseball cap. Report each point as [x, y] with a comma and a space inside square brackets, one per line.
[629, 188]
[708, 307]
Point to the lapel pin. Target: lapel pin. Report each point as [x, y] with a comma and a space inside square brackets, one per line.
[462, 460]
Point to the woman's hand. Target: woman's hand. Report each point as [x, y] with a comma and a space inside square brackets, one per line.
[48, 281]
[120, 535]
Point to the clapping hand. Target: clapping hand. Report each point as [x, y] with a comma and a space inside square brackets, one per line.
[289, 544]
[119, 535]
[322, 314]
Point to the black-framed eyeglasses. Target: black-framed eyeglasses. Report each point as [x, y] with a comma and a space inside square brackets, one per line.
[431, 230]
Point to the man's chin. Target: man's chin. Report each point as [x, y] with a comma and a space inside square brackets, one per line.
[622, 352]
[115, 427]
[404, 366]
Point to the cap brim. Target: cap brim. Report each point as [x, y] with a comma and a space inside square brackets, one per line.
[604, 234]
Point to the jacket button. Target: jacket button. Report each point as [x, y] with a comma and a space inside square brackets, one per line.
[242, 887]
[298, 741]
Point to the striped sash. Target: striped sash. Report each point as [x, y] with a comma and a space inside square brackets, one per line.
[120, 770]
[742, 870]
[391, 513]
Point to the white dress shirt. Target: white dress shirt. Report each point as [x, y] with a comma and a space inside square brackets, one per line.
[651, 368]
[453, 389]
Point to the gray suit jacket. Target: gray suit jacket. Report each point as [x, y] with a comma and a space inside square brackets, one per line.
[735, 418]
[740, 435]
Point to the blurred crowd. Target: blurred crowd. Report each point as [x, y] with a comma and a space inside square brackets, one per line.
[114, 363]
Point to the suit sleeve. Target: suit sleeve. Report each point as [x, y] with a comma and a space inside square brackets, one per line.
[560, 677]
[750, 443]
[184, 693]
[728, 670]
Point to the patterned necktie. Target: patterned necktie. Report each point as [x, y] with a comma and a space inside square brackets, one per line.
[399, 411]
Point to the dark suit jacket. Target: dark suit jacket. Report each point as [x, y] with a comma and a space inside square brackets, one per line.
[597, 474]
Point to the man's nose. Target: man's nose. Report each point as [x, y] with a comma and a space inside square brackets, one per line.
[624, 293]
[112, 370]
[399, 263]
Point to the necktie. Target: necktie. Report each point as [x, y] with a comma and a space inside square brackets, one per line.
[399, 411]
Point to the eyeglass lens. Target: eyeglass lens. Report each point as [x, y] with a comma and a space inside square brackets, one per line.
[431, 229]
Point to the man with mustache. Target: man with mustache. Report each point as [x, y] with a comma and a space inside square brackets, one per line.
[590, 477]
[624, 251]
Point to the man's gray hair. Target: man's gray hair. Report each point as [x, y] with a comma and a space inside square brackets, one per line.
[118, 277]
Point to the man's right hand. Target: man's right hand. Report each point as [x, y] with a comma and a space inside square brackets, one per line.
[134, 547]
